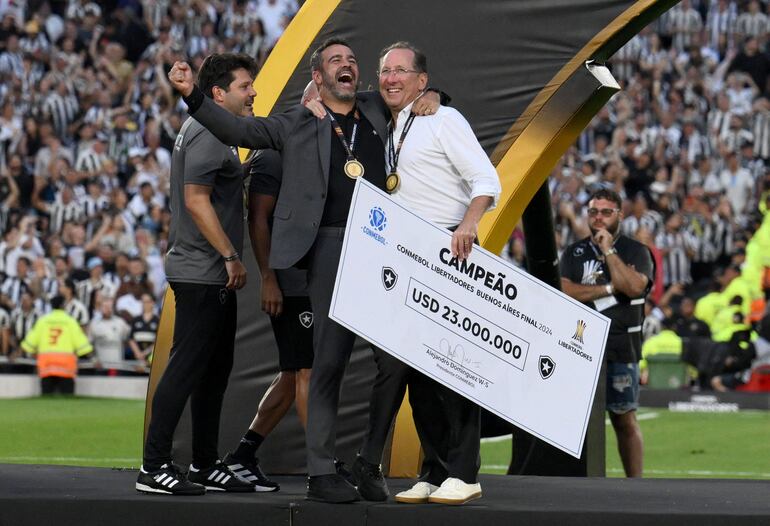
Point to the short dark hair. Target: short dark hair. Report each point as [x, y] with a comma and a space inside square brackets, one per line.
[315, 58]
[57, 301]
[420, 60]
[217, 70]
[609, 195]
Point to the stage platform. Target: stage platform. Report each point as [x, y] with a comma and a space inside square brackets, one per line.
[63, 496]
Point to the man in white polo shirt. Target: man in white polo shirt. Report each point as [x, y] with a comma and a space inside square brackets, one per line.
[438, 170]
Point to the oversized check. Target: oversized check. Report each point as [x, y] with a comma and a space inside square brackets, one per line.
[493, 333]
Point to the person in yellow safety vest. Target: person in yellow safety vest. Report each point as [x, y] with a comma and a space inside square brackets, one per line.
[665, 342]
[737, 285]
[708, 306]
[730, 315]
[58, 340]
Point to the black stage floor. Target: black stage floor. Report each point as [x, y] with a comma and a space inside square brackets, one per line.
[63, 496]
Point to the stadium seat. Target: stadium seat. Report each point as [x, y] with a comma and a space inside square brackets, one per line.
[759, 381]
[666, 371]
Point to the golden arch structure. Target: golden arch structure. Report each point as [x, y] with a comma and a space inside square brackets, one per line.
[527, 74]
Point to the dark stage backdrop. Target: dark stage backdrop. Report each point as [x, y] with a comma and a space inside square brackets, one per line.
[493, 57]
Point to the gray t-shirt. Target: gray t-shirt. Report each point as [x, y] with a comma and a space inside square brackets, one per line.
[199, 158]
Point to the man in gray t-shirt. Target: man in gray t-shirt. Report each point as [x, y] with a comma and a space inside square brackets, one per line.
[204, 270]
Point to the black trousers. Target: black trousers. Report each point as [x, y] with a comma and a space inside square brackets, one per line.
[332, 345]
[57, 384]
[198, 368]
[447, 424]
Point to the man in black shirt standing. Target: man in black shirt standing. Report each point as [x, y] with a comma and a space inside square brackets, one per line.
[613, 274]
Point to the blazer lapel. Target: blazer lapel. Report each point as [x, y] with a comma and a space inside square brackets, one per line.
[324, 135]
[375, 117]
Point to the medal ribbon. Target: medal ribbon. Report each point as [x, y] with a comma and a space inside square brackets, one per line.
[341, 134]
[394, 153]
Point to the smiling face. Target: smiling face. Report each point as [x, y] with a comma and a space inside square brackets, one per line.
[400, 83]
[337, 77]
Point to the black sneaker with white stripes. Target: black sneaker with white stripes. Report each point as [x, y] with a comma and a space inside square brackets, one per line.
[168, 480]
[219, 478]
[251, 472]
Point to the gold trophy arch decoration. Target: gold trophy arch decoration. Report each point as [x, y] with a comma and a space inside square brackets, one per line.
[528, 74]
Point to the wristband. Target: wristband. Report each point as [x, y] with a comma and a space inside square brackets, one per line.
[611, 251]
[233, 257]
[609, 289]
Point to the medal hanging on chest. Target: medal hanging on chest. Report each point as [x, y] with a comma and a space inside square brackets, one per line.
[353, 168]
[393, 180]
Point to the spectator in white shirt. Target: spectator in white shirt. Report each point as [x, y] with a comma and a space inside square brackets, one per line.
[109, 336]
[737, 184]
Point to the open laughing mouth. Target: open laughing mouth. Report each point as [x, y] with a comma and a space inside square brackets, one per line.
[345, 78]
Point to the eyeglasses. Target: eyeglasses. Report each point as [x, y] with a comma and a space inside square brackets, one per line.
[605, 212]
[398, 72]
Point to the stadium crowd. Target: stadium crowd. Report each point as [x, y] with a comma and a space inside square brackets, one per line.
[87, 124]
[88, 121]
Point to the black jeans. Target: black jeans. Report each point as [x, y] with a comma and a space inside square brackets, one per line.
[198, 368]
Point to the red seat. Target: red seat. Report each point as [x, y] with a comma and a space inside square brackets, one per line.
[759, 381]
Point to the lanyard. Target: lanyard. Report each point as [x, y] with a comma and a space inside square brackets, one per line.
[394, 153]
[341, 134]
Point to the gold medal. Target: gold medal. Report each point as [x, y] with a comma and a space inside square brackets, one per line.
[392, 181]
[354, 169]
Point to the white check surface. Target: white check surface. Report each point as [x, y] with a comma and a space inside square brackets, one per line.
[491, 332]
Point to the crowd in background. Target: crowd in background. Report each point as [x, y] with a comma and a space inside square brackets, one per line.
[87, 124]
[88, 121]
[686, 143]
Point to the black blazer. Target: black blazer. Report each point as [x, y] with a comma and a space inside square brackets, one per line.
[305, 145]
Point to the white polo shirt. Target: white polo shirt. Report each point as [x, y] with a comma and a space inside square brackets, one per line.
[442, 167]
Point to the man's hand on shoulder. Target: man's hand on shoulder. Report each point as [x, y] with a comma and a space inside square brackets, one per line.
[181, 78]
[316, 106]
[427, 103]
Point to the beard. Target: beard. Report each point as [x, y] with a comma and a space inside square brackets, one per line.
[612, 229]
[330, 84]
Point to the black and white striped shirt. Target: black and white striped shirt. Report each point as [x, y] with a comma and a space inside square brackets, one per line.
[676, 263]
[650, 220]
[77, 310]
[86, 290]
[761, 129]
[749, 24]
[89, 161]
[13, 287]
[720, 23]
[22, 322]
[62, 110]
[63, 213]
[12, 63]
[683, 24]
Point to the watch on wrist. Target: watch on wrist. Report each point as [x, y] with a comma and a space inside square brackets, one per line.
[611, 251]
[232, 257]
[609, 288]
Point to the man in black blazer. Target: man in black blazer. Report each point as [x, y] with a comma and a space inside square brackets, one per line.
[321, 158]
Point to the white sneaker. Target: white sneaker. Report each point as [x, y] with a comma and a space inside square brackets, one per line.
[455, 491]
[417, 494]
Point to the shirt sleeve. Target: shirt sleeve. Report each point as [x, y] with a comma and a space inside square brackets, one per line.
[266, 171]
[641, 259]
[203, 158]
[464, 151]
[567, 265]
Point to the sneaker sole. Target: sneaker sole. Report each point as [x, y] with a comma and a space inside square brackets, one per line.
[231, 490]
[411, 500]
[147, 489]
[265, 489]
[454, 502]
